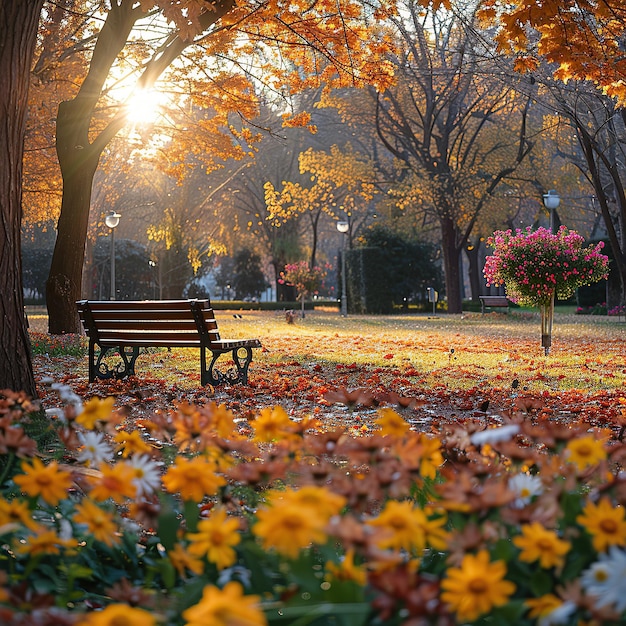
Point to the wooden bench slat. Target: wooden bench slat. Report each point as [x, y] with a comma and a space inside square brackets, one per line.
[147, 315]
[147, 325]
[135, 305]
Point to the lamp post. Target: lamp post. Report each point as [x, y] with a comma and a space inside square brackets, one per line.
[343, 228]
[551, 201]
[112, 219]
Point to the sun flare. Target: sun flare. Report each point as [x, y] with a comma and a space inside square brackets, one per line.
[144, 106]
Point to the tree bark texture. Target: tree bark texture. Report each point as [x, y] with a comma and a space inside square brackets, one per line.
[451, 253]
[18, 32]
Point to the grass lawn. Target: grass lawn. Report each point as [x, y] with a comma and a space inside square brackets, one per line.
[442, 358]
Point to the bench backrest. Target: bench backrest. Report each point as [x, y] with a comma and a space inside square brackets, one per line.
[149, 322]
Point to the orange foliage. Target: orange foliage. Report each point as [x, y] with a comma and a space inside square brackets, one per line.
[585, 40]
[286, 47]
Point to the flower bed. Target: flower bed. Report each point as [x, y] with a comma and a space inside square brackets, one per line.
[199, 516]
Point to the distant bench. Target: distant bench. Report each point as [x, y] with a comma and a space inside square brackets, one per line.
[127, 326]
[493, 302]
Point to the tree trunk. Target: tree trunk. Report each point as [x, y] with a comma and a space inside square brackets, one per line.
[475, 271]
[78, 165]
[451, 252]
[18, 31]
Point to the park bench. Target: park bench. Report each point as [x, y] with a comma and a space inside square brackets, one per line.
[127, 326]
[493, 302]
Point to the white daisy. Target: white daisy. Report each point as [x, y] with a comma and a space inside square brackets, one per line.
[95, 449]
[67, 395]
[147, 474]
[525, 487]
[605, 580]
[494, 435]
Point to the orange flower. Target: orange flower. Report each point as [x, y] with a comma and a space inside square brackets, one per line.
[215, 538]
[99, 522]
[540, 544]
[47, 481]
[44, 541]
[289, 527]
[273, 424]
[225, 607]
[605, 523]
[401, 526]
[16, 511]
[119, 615]
[131, 443]
[585, 452]
[182, 561]
[115, 482]
[193, 478]
[347, 569]
[95, 410]
[319, 500]
[477, 586]
[391, 424]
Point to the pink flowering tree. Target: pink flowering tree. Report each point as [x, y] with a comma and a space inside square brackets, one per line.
[306, 280]
[537, 266]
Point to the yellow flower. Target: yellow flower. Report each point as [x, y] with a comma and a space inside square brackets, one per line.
[215, 538]
[605, 523]
[99, 522]
[320, 500]
[404, 527]
[183, 561]
[224, 420]
[225, 607]
[288, 527]
[16, 511]
[44, 541]
[193, 478]
[585, 451]
[431, 457]
[47, 481]
[131, 443]
[347, 569]
[392, 424]
[95, 410]
[539, 607]
[119, 615]
[477, 586]
[273, 424]
[115, 482]
[539, 544]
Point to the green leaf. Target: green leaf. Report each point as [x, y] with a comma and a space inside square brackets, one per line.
[347, 614]
[168, 524]
[192, 515]
[541, 583]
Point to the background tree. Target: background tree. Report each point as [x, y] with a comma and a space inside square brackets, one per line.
[601, 132]
[248, 279]
[455, 131]
[339, 185]
[37, 247]
[18, 33]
